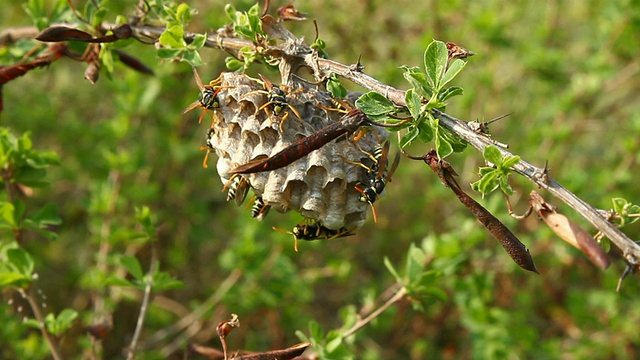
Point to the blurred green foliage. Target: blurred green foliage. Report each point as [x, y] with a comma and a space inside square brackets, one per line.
[569, 73]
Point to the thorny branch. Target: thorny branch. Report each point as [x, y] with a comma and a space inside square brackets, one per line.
[539, 176]
[297, 54]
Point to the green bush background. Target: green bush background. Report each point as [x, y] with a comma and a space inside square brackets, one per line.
[567, 70]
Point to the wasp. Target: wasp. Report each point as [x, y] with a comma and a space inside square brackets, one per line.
[348, 123]
[237, 188]
[208, 147]
[276, 100]
[314, 231]
[260, 208]
[377, 174]
[208, 97]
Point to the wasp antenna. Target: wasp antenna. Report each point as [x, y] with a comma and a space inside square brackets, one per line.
[266, 82]
[295, 111]
[198, 79]
[374, 213]
[281, 230]
[192, 106]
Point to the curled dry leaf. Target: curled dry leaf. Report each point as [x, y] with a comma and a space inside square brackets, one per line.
[225, 327]
[569, 231]
[290, 13]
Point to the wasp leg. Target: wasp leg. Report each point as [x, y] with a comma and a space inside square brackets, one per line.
[364, 196]
[356, 163]
[206, 156]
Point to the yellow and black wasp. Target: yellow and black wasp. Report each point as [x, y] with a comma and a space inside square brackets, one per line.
[208, 97]
[314, 231]
[237, 188]
[260, 208]
[208, 147]
[276, 100]
[378, 175]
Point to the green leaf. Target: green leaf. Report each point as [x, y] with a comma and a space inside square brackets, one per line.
[233, 64]
[254, 10]
[624, 209]
[492, 154]
[7, 214]
[505, 187]
[20, 209]
[334, 343]
[374, 103]
[409, 137]
[457, 144]
[133, 266]
[173, 37]
[30, 176]
[164, 53]
[106, 59]
[118, 281]
[244, 31]
[193, 58]
[454, 69]
[231, 13]
[425, 132]
[413, 103]
[254, 21]
[58, 325]
[334, 86]
[510, 161]
[415, 263]
[488, 182]
[443, 146]
[21, 261]
[446, 94]
[619, 205]
[17, 269]
[8, 278]
[635, 210]
[315, 331]
[183, 13]
[435, 62]
[199, 40]
[392, 270]
[163, 281]
[32, 323]
[47, 215]
[606, 244]
[418, 81]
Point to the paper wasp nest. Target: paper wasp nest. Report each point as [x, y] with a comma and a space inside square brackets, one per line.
[321, 185]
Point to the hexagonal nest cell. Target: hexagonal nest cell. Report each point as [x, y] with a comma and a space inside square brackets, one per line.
[320, 185]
